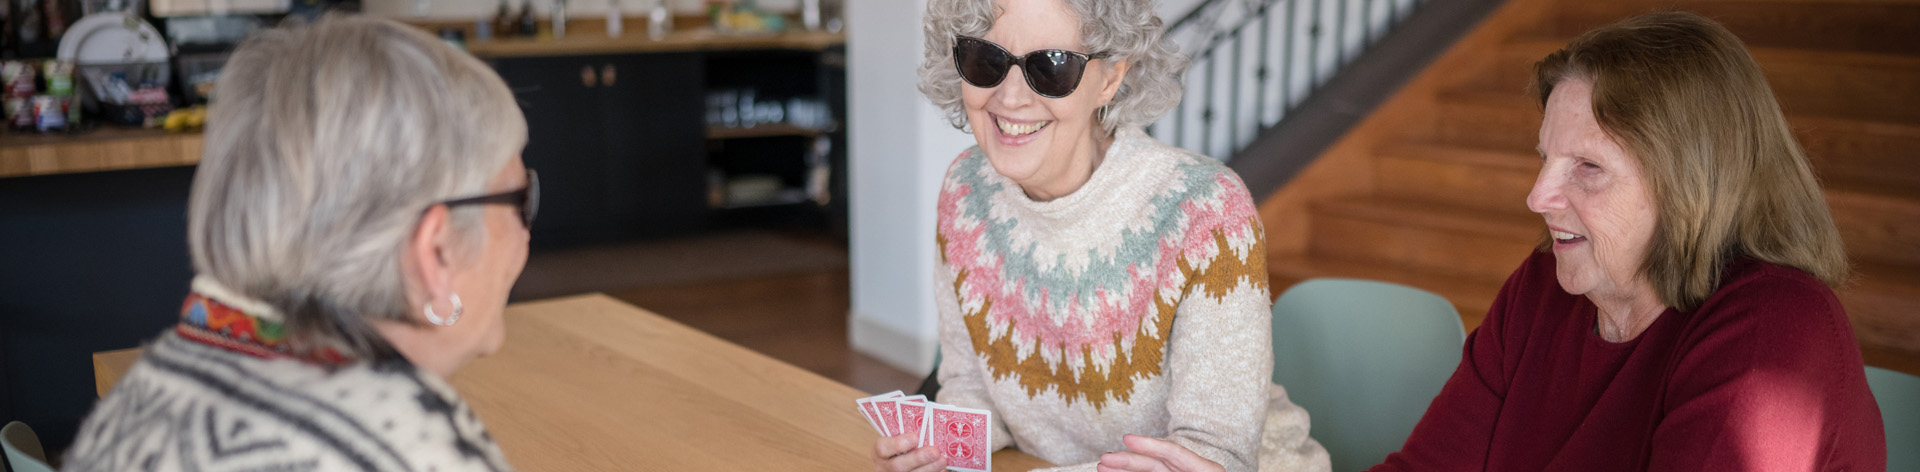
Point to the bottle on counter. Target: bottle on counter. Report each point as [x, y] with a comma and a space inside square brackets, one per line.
[528, 26]
[30, 21]
[659, 21]
[56, 19]
[614, 22]
[559, 17]
[503, 23]
[17, 88]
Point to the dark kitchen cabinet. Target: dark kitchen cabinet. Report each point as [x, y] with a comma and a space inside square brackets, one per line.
[619, 141]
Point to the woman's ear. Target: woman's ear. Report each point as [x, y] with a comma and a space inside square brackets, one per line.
[428, 253]
[1111, 86]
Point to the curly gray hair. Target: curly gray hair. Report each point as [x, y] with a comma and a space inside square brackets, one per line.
[1128, 29]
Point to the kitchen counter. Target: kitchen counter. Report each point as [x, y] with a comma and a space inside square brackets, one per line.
[118, 148]
[103, 149]
[595, 41]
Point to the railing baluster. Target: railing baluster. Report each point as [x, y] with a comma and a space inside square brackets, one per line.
[1206, 114]
[1233, 102]
[1260, 74]
[1286, 62]
[1366, 21]
[1313, 49]
[1340, 33]
[1208, 27]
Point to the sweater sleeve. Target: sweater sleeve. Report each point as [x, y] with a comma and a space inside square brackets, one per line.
[1771, 381]
[1457, 430]
[1220, 354]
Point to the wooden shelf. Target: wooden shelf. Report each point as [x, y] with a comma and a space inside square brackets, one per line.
[632, 41]
[761, 131]
[103, 149]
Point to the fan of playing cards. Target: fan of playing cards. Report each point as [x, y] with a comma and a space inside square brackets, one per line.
[961, 434]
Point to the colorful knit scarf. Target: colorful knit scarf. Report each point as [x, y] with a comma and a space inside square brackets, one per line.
[207, 321]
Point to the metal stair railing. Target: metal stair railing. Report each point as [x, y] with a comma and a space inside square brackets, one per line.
[1282, 51]
[1317, 70]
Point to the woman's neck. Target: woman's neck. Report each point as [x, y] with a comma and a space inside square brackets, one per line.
[1622, 317]
[1088, 156]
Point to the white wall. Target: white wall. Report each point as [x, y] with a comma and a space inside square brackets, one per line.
[900, 149]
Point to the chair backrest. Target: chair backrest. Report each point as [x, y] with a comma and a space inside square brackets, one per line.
[23, 448]
[1899, 398]
[1365, 359]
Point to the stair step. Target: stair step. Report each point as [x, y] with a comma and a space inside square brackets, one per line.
[1881, 26]
[1807, 82]
[1884, 303]
[1488, 119]
[1879, 221]
[1861, 150]
[1849, 148]
[1488, 179]
[1428, 236]
[1471, 296]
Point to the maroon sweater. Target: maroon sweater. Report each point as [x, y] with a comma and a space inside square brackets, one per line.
[1765, 375]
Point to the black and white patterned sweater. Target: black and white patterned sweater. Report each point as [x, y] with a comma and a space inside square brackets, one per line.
[187, 405]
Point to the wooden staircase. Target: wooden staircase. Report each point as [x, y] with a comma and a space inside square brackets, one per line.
[1430, 189]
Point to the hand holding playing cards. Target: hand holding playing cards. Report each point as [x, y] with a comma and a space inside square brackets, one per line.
[1155, 455]
[903, 453]
[920, 435]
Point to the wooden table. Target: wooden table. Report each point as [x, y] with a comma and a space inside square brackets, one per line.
[591, 383]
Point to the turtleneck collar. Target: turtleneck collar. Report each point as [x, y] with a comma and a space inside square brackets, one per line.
[221, 317]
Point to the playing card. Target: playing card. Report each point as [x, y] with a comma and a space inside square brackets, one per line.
[913, 419]
[867, 411]
[962, 435]
[889, 416]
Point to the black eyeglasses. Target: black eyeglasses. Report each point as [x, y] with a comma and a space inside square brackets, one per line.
[526, 198]
[1053, 73]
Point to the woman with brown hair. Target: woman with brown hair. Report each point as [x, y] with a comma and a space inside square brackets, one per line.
[1681, 314]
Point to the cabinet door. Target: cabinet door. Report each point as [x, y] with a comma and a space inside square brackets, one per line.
[564, 143]
[654, 116]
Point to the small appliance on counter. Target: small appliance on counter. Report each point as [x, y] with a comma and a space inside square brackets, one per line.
[123, 63]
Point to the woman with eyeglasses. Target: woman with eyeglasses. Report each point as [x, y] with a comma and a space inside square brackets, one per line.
[1103, 294]
[358, 216]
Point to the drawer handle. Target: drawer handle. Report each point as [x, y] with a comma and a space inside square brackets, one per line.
[608, 74]
[587, 77]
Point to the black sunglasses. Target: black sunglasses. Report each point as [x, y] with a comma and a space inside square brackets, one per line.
[526, 198]
[1053, 73]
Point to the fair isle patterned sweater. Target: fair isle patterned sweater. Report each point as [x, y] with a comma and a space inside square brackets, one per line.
[222, 392]
[1138, 304]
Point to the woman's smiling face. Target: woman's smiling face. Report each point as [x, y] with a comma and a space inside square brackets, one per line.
[1594, 197]
[1031, 139]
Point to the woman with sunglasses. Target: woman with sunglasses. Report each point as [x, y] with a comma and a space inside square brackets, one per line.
[357, 219]
[1098, 291]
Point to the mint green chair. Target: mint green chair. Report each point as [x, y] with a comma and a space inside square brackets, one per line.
[1365, 359]
[1899, 398]
[23, 448]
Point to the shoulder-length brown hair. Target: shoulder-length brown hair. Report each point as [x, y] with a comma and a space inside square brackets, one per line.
[1680, 93]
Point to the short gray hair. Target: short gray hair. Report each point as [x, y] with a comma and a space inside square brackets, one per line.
[325, 143]
[1128, 29]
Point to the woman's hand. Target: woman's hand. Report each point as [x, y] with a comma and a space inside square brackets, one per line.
[896, 454]
[1155, 455]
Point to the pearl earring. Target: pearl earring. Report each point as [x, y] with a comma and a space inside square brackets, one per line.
[449, 320]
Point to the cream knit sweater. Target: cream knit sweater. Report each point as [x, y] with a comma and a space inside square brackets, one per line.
[1136, 305]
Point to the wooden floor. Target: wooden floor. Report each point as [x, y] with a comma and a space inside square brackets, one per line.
[799, 318]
